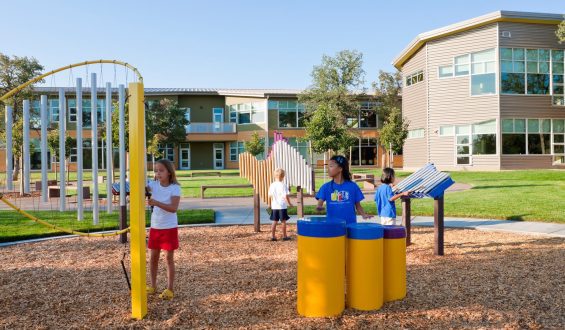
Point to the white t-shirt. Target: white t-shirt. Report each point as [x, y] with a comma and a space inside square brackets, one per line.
[278, 192]
[161, 219]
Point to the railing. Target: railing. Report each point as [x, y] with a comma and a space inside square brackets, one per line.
[210, 128]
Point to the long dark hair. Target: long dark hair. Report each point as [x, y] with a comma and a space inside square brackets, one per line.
[342, 162]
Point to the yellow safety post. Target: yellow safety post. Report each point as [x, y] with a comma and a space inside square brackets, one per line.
[137, 200]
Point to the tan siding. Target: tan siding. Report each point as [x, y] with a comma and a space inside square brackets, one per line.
[450, 100]
[414, 156]
[529, 106]
[529, 35]
[414, 102]
[515, 162]
[442, 151]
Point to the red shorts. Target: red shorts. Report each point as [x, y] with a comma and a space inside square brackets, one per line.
[163, 239]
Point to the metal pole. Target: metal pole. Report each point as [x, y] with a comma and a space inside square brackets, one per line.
[9, 151]
[62, 183]
[94, 144]
[80, 195]
[44, 150]
[26, 161]
[123, 207]
[109, 179]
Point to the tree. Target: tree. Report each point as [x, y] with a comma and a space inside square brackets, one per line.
[560, 32]
[165, 122]
[335, 84]
[256, 145]
[15, 71]
[53, 145]
[394, 132]
[388, 89]
[325, 134]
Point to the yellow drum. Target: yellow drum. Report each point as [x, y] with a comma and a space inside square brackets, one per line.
[321, 267]
[394, 279]
[364, 266]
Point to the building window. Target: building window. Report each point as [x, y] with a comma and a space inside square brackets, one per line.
[415, 78]
[445, 71]
[73, 156]
[537, 69]
[236, 148]
[290, 113]
[368, 114]
[512, 68]
[461, 65]
[416, 133]
[187, 117]
[54, 110]
[514, 136]
[167, 151]
[35, 115]
[73, 115]
[364, 153]
[446, 130]
[247, 113]
[463, 145]
[483, 75]
[559, 137]
[539, 136]
[484, 138]
[557, 70]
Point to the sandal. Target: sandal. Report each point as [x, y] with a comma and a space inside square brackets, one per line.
[167, 295]
[150, 289]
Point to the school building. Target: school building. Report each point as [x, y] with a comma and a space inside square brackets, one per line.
[486, 94]
[221, 120]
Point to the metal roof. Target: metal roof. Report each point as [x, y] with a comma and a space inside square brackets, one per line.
[186, 91]
[497, 16]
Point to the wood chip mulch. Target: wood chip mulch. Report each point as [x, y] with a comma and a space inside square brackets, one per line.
[230, 277]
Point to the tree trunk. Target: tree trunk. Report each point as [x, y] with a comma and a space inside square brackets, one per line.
[21, 177]
[16, 171]
[383, 158]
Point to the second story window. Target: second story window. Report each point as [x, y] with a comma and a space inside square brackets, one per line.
[483, 76]
[290, 113]
[414, 78]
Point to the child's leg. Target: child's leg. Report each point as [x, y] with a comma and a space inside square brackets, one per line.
[170, 269]
[284, 228]
[273, 228]
[154, 265]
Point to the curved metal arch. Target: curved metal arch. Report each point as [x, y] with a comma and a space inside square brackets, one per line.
[34, 80]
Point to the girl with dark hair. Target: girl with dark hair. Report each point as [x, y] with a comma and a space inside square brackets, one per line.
[384, 198]
[342, 196]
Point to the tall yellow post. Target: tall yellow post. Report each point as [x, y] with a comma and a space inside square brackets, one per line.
[137, 200]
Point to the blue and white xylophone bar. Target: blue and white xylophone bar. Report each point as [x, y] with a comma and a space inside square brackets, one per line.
[425, 182]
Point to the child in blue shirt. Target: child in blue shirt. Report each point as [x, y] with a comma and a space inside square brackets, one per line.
[384, 198]
[342, 196]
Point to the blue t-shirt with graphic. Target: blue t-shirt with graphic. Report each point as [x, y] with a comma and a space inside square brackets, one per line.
[385, 207]
[340, 200]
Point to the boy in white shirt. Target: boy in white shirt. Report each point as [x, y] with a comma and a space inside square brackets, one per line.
[278, 203]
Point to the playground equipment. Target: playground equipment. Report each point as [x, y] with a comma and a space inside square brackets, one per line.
[394, 263]
[136, 170]
[426, 182]
[260, 173]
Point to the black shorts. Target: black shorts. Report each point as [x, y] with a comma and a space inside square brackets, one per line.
[279, 215]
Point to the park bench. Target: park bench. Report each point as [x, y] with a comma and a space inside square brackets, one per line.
[367, 179]
[191, 174]
[225, 186]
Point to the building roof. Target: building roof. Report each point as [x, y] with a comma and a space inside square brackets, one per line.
[497, 16]
[187, 91]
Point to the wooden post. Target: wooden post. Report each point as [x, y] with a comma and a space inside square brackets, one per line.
[406, 216]
[299, 202]
[256, 210]
[438, 225]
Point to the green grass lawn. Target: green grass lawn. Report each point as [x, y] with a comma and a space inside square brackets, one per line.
[15, 227]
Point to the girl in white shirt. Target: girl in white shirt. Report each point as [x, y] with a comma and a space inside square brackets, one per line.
[278, 204]
[163, 234]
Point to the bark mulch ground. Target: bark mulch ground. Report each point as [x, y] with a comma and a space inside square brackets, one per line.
[230, 277]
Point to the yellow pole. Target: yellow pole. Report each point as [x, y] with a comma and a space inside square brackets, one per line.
[137, 200]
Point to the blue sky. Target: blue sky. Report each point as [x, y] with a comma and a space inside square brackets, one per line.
[230, 44]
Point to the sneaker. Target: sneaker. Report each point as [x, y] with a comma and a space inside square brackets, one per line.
[286, 238]
[273, 239]
[167, 295]
[150, 289]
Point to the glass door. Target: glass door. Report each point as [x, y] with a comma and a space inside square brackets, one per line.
[218, 156]
[184, 156]
[218, 117]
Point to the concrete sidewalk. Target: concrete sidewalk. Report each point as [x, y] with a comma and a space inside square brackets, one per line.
[239, 211]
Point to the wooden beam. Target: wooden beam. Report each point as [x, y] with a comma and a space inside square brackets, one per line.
[406, 216]
[438, 225]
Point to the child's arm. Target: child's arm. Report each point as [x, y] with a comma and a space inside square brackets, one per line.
[173, 207]
[361, 211]
[288, 201]
[397, 196]
[320, 206]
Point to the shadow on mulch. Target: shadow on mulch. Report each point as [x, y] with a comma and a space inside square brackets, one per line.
[230, 277]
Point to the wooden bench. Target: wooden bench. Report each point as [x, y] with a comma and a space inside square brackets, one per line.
[368, 180]
[203, 188]
[206, 173]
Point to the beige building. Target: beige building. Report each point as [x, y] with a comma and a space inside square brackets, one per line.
[486, 94]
